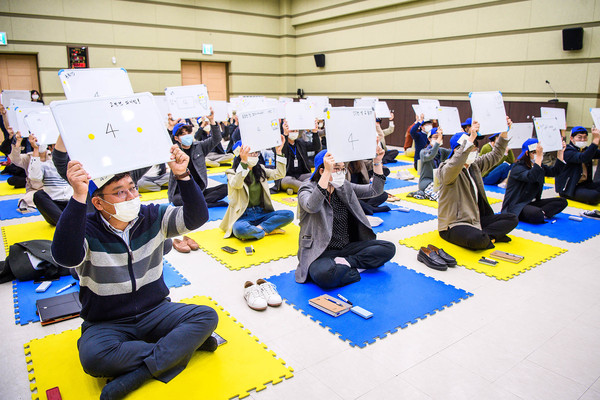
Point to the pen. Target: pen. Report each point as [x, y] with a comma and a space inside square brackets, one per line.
[333, 301]
[62, 289]
[345, 299]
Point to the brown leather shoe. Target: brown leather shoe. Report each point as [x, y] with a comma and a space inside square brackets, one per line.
[191, 243]
[181, 246]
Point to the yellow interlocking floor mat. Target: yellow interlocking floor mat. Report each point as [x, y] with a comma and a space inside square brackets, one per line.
[151, 196]
[549, 180]
[403, 157]
[576, 204]
[30, 231]
[267, 249]
[283, 197]
[7, 190]
[217, 170]
[535, 253]
[431, 203]
[237, 367]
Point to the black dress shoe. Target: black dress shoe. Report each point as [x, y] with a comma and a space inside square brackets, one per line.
[450, 261]
[432, 259]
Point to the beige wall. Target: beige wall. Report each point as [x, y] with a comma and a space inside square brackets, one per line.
[391, 49]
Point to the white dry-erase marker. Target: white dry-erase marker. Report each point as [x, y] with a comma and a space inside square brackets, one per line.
[62, 289]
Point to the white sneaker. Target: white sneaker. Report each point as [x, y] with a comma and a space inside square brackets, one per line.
[374, 221]
[254, 296]
[269, 292]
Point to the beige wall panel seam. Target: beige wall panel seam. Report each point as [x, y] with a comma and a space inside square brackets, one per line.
[445, 95]
[300, 14]
[204, 8]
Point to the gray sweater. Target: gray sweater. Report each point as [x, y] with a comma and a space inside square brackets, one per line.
[427, 156]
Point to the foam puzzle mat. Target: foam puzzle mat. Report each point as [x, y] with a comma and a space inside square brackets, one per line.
[241, 365]
[12, 234]
[394, 183]
[397, 162]
[25, 296]
[269, 248]
[8, 210]
[394, 294]
[584, 206]
[217, 170]
[284, 198]
[434, 204]
[4, 177]
[221, 178]
[153, 196]
[403, 157]
[499, 190]
[7, 190]
[398, 219]
[535, 253]
[216, 213]
[565, 229]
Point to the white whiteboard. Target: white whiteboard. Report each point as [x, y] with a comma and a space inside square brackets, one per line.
[351, 133]
[418, 110]
[188, 101]
[366, 102]
[163, 106]
[259, 129]
[429, 108]
[7, 95]
[382, 110]
[114, 134]
[84, 83]
[558, 113]
[220, 108]
[20, 113]
[596, 116]
[15, 106]
[519, 133]
[299, 116]
[449, 120]
[548, 134]
[41, 123]
[488, 109]
[318, 104]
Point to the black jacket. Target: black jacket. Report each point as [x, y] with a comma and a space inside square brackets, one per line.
[567, 180]
[302, 148]
[526, 184]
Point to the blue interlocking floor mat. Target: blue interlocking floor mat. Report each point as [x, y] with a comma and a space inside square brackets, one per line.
[216, 213]
[8, 210]
[497, 189]
[394, 294]
[25, 296]
[399, 219]
[221, 178]
[396, 163]
[565, 229]
[393, 183]
[4, 177]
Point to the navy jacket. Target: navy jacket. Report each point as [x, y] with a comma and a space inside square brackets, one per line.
[420, 139]
[567, 180]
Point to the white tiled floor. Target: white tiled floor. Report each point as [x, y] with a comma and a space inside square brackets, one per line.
[536, 336]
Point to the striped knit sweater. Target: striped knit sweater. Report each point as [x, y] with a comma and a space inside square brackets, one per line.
[117, 280]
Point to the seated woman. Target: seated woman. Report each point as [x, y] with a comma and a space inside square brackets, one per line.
[465, 217]
[526, 182]
[575, 180]
[359, 172]
[336, 238]
[498, 174]
[430, 158]
[250, 214]
[295, 150]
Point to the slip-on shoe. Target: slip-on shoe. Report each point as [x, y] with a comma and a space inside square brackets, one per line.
[431, 259]
[450, 261]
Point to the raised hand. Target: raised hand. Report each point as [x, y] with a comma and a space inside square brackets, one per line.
[180, 160]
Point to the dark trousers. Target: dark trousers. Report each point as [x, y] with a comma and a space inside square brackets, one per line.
[373, 205]
[588, 193]
[537, 210]
[390, 156]
[164, 338]
[17, 181]
[214, 196]
[50, 209]
[367, 254]
[494, 226]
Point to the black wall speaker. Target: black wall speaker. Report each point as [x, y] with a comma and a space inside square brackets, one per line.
[320, 60]
[572, 39]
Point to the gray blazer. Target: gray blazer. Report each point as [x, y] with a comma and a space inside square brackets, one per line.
[316, 219]
[199, 151]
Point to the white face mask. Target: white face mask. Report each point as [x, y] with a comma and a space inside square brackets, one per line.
[126, 211]
[427, 128]
[43, 148]
[321, 125]
[471, 158]
[293, 135]
[252, 161]
[338, 179]
[35, 96]
[581, 145]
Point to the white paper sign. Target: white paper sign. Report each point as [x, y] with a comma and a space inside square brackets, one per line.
[299, 116]
[187, 101]
[366, 102]
[318, 104]
[163, 106]
[351, 133]
[20, 113]
[382, 110]
[17, 107]
[260, 128]
[84, 83]
[519, 133]
[252, 103]
[7, 95]
[558, 113]
[449, 120]
[41, 123]
[281, 106]
[596, 116]
[418, 110]
[488, 110]
[548, 134]
[429, 108]
[220, 108]
[113, 134]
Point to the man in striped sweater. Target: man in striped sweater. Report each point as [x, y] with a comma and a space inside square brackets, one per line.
[131, 331]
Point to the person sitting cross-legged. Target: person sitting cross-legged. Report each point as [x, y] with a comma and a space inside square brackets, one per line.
[131, 331]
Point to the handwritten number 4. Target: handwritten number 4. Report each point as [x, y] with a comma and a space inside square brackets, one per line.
[109, 129]
[352, 140]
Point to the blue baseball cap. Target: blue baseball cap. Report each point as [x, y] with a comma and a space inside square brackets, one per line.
[527, 146]
[432, 132]
[468, 122]
[177, 127]
[319, 161]
[493, 136]
[578, 129]
[454, 141]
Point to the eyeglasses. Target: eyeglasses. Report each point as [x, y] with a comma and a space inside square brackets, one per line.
[122, 194]
[336, 169]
